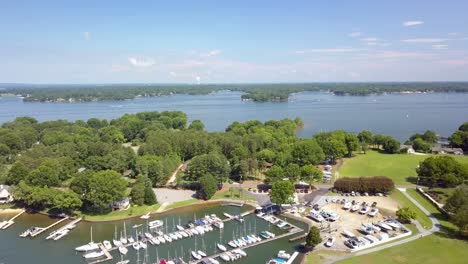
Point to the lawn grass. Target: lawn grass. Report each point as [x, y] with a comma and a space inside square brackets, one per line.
[443, 219]
[399, 167]
[405, 202]
[182, 203]
[236, 195]
[321, 256]
[117, 215]
[432, 249]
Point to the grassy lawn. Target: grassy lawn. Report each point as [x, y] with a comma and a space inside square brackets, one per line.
[433, 210]
[321, 256]
[431, 249]
[116, 215]
[182, 203]
[236, 195]
[400, 167]
[404, 202]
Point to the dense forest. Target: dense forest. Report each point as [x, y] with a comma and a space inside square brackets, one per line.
[88, 165]
[254, 92]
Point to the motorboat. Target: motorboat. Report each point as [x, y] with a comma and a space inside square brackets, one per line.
[282, 224]
[240, 252]
[131, 239]
[173, 236]
[117, 243]
[201, 253]
[161, 239]
[167, 238]
[348, 234]
[221, 247]
[61, 234]
[179, 235]
[276, 261]
[384, 226]
[364, 210]
[184, 234]
[373, 212]
[393, 225]
[143, 245]
[219, 224]
[270, 234]
[225, 257]
[283, 254]
[148, 235]
[136, 246]
[264, 234]
[94, 254]
[107, 244]
[232, 244]
[347, 206]
[354, 208]
[330, 241]
[180, 228]
[196, 256]
[316, 216]
[367, 229]
[155, 224]
[213, 261]
[123, 250]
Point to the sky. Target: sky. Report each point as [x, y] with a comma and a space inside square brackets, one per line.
[232, 41]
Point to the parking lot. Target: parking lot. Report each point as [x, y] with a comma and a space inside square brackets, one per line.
[352, 221]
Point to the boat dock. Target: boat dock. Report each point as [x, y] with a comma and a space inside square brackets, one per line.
[293, 230]
[40, 230]
[106, 253]
[293, 257]
[69, 226]
[6, 224]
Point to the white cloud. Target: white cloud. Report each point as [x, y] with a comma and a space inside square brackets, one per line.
[424, 40]
[372, 39]
[141, 62]
[331, 50]
[412, 23]
[198, 78]
[399, 54]
[354, 74]
[173, 74]
[354, 34]
[453, 34]
[439, 46]
[211, 53]
[87, 35]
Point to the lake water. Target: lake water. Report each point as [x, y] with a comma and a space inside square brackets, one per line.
[398, 115]
[40, 251]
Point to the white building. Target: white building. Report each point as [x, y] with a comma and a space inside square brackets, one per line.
[5, 195]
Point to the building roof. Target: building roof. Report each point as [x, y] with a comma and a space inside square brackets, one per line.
[4, 187]
[447, 150]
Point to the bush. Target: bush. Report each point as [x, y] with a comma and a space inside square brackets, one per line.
[313, 238]
[405, 214]
[208, 186]
[378, 184]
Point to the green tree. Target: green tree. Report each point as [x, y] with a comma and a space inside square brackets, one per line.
[111, 134]
[391, 145]
[442, 169]
[43, 176]
[292, 172]
[67, 201]
[208, 186]
[196, 125]
[17, 173]
[307, 152]
[430, 137]
[150, 196]
[313, 238]
[213, 163]
[311, 173]
[352, 143]
[365, 136]
[275, 173]
[420, 145]
[405, 214]
[105, 188]
[282, 192]
[138, 191]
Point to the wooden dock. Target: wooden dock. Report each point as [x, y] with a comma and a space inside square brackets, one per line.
[293, 257]
[106, 253]
[292, 231]
[11, 222]
[297, 238]
[43, 229]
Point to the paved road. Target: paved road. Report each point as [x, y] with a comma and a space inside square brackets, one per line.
[423, 232]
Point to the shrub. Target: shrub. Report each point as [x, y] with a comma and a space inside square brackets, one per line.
[377, 184]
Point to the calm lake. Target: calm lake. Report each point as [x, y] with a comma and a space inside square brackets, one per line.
[398, 115]
[40, 251]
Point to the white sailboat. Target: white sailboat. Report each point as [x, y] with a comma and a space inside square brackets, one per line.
[116, 241]
[90, 246]
[123, 239]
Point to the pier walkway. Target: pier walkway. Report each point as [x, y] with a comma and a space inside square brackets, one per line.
[40, 230]
[6, 224]
[106, 253]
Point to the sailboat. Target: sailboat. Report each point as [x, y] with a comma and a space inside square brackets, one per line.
[116, 242]
[123, 239]
[90, 246]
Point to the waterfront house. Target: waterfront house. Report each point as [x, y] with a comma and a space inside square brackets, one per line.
[407, 149]
[447, 150]
[5, 195]
[121, 205]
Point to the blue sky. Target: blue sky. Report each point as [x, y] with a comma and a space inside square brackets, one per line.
[232, 41]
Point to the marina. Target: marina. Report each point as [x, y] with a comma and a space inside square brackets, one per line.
[35, 231]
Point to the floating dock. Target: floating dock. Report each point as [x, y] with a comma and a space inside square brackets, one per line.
[40, 230]
[293, 257]
[69, 226]
[6, 224]
[106, 253]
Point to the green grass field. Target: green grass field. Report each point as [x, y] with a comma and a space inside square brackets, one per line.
[236, 195]
[432, 249]
[116, 215]
[448, 226]
[400, 167]
[404, 202]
